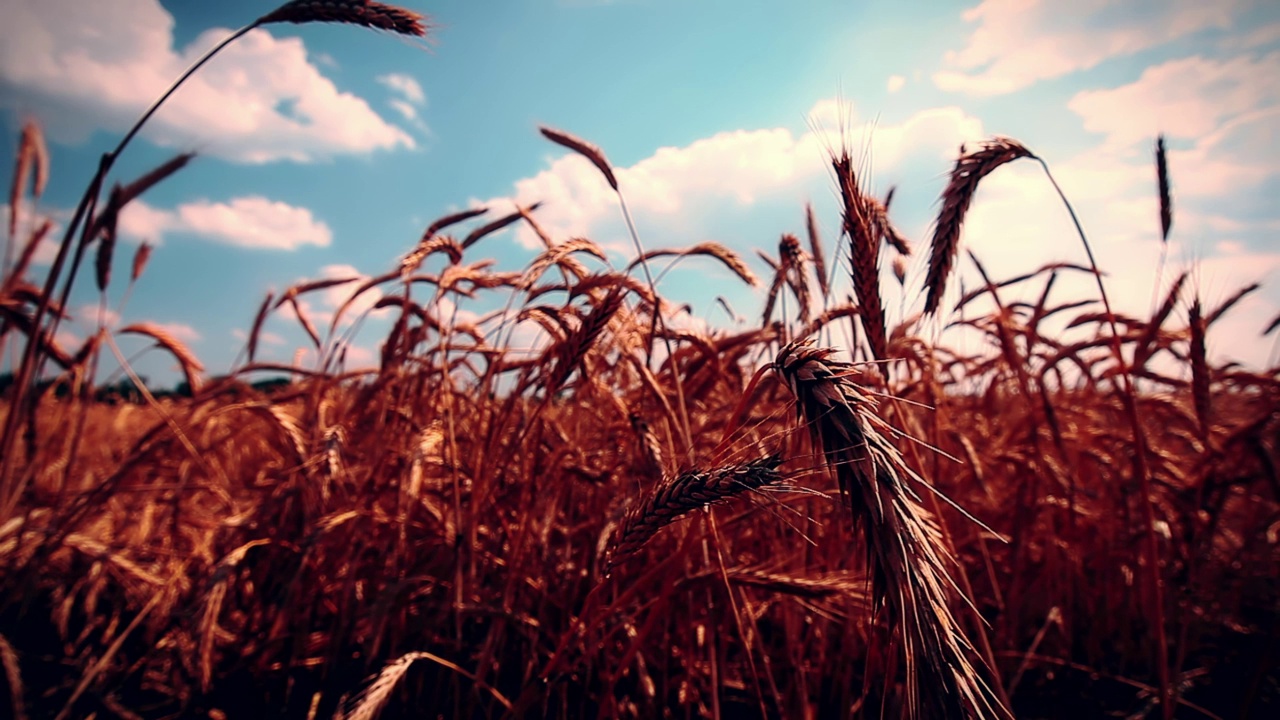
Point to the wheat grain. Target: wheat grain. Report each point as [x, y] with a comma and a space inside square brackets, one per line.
[452, 219]
[140, 258]
[12, 672]
[904, 548]
[684, 493]
[29, 250]
[587, 150]
[864, 253]
[969, 170]
[815, 250]
[1143, 349]
[352, 12]
[1162, 184]
[107, 241]
[475, 235]
[1200, 381]
[1214, 315]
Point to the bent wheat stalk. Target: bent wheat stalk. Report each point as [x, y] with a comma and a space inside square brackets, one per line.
[683, 494]
[905, 554]
[970, 169]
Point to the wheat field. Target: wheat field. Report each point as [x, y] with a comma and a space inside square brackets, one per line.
[820, 515]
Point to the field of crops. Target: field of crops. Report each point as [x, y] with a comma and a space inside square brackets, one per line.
[820, 515]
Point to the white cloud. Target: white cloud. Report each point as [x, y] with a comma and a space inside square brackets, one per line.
[1256, 38]
[87, 66]
[895, 83]
[734, 169]
[1019, 42]
[87, 316]
[409, 112]
[1221, 118]
[405, 86]
[1187, 98]
[251, 222]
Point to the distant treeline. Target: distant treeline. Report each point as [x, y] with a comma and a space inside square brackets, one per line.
[125, 391]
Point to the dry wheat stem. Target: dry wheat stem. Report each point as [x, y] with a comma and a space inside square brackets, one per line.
[905, 552]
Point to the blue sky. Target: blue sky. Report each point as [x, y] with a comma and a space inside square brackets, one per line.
[325, 150]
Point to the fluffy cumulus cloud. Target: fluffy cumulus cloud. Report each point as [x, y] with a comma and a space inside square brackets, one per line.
[1189, 98]
[1015, 43]
[677, 187]
[1221, 118]
[249, 222]
[1220, 113]
[88, 66]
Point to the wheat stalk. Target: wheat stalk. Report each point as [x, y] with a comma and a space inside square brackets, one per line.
[792, 263]
[191, 367]
[684, 493]
[140, 258]
[969, 170]
[904, 548]
[727, 257]
[1162, 184]
[587, 150]
[815, 250]
[475, 235]
[32, 154]
[350, 12]
[864, 253]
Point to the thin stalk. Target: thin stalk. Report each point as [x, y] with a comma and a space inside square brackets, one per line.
[671, 356]
[1149, 546]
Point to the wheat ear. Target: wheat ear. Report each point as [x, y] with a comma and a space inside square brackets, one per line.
[904, 548]
[969, 170]
[684, 493]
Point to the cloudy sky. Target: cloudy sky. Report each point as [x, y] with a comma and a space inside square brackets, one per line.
[325, 150]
